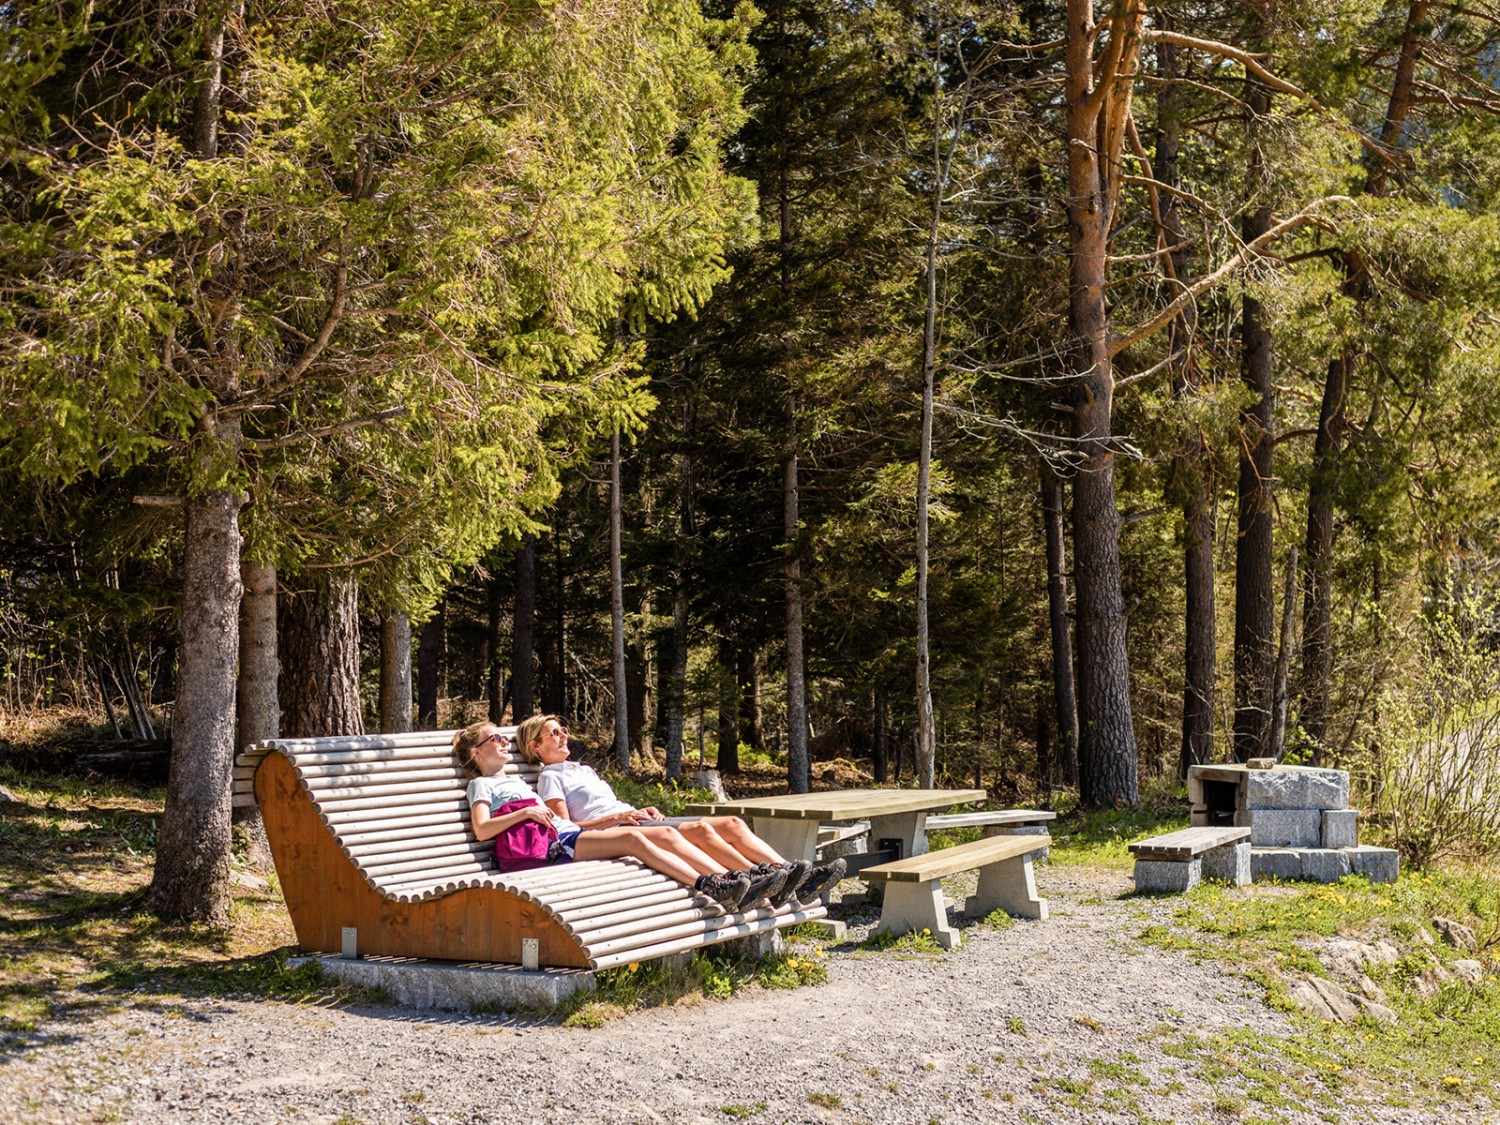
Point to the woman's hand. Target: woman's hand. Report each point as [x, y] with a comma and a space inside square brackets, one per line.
[539, 813]
[650, 812]
[628, 817]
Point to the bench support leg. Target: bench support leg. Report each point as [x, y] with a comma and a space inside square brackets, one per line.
[1009, 885]
[917, 906]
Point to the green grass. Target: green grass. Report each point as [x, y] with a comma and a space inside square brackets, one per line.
[1439, 1052]
[920, 942]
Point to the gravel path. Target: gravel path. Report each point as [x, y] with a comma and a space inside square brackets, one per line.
[1071, 1020]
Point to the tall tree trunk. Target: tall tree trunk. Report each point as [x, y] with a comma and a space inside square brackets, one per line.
[1283, 660]
[523, 632]
[1192, 468]
[617, 611]
[1254, 600]
[429, 669]
[674, 699]
[748, 685]
[258, 710]
[798, 764]
[191, 878]
[1098, 94]
[319, 684]
[1064, 699]
[1316, 686]
[729, 743]
[395, 674]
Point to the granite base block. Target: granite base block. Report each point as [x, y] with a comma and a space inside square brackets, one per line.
[1340, 828]
[1167, 876]
[1287, 828]
[1291, 787]
[1275, 863]
[1379, 865]
[1229, 864]
[1324, 865]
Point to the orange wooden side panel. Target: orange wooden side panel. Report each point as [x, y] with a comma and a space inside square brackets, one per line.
[324, 893]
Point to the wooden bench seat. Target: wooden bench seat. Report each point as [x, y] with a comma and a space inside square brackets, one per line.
[914, 892]
[372, 833]
[1176, 861]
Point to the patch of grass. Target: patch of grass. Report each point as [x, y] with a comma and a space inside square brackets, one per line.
[1016, 1025]
[1117, 1071]
[791, 971]
[1101, 837]
[914, 941]
[737, 1110]
[827, 1101]
[997, 920]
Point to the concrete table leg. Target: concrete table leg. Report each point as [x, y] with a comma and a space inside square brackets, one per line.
[794, 839]
[1009, 885]
[916, 907]
[909, 830]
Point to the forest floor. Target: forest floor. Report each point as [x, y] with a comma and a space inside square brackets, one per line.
[1120, 1008]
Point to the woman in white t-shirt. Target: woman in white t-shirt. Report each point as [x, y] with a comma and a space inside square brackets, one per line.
[574, 791]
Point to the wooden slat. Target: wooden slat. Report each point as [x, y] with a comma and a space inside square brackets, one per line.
[990, 817]
[1187, 842]
[950, 861]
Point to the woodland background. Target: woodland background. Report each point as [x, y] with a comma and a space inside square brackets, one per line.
[1045, 395]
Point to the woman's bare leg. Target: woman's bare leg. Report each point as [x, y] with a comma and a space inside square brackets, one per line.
[732, 837]
[661, 850]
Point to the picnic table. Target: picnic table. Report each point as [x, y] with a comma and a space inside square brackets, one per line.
[790, 823]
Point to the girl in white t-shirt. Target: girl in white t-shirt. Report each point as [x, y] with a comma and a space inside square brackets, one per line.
[574, 791]
[483, 752]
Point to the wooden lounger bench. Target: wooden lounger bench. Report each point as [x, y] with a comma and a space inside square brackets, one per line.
[1176, 861]
[371, 833]
[914, 890]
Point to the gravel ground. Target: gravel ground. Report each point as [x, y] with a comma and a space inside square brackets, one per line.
[1070, 1020]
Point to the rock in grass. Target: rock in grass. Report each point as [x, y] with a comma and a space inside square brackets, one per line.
[1456, 934]
[1326, 1000]
[1471, 971]
[6, 796]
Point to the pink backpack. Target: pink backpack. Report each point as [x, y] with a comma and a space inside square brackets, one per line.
[525, 845]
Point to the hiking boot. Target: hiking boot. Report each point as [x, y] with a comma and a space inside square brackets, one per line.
[762, 885]
[796, 871]
[820, 879]
[726, 890]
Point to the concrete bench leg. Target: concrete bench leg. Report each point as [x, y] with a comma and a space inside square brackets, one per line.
[1229, 864]
[917, 906]
[1171, 876]
[1009, 885]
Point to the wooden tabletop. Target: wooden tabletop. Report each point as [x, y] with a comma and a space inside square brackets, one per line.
[843, 804]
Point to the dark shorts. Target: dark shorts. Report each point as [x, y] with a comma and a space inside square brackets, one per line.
[563, 847]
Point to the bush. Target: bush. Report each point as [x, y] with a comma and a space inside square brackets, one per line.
[1435, 777]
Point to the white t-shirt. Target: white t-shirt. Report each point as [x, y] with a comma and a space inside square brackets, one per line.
[501, 790]
[585, 794]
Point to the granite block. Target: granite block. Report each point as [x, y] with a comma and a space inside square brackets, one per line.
[1167, 876]
[1276, 863]
[1296, 788]
[1229, 864]
[1286, 828]
[1325, 865]
[1340, 828]
[1379, 865]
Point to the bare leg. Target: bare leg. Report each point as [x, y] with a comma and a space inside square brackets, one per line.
[661, 850]
[728, 838]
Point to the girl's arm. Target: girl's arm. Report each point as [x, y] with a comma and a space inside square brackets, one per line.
[487, 827]
[613, 820]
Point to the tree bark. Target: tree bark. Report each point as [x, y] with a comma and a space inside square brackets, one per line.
[319, 684]
[191, 878]
[798, 765]
[1098, 94]
[747, 676]
[258, 708]
[729, 743]
[1316, 688]
[1254, 600]
[395, 674]
[617, 611]
[1192, 468]
[1064, 699]
[429, 669]
[523, 632]
[1283, 660]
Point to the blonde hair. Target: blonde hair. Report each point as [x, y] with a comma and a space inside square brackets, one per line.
[530, 732]
[468, 740]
